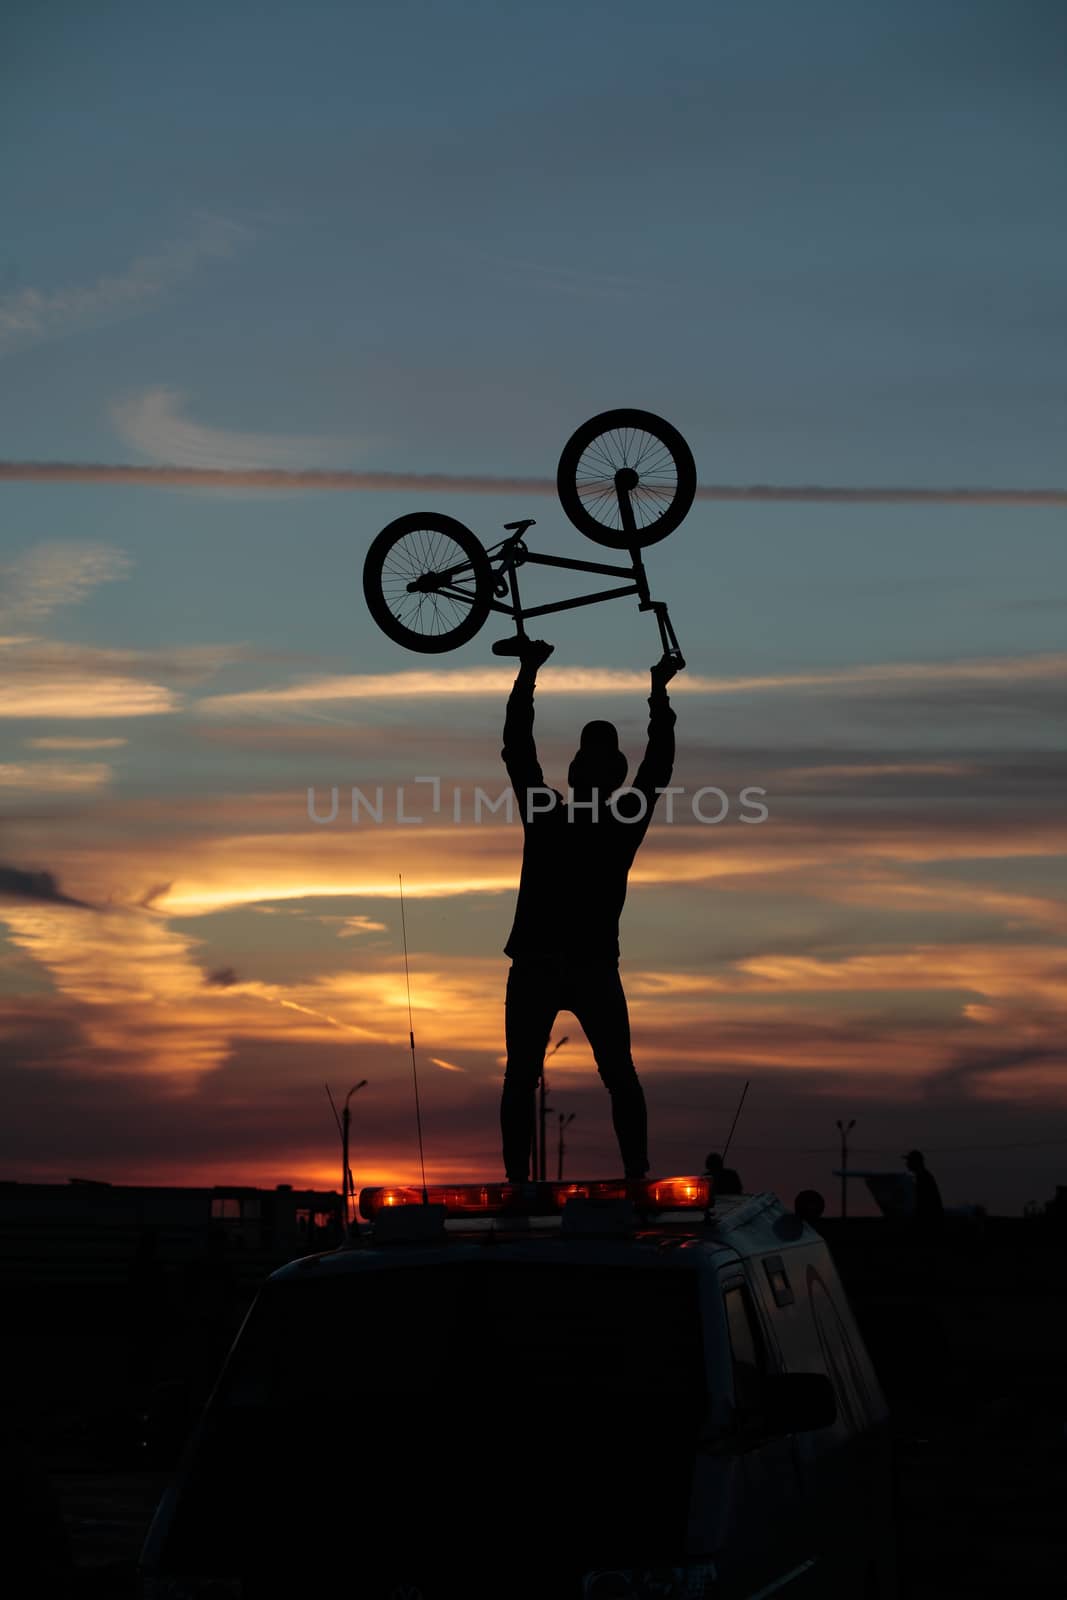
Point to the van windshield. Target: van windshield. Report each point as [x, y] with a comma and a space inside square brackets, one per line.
[479, 1387]
[589, 1331]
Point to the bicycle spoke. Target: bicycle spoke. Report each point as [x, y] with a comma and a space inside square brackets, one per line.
[658, 478]
[423, 553]
[599, 453]
[639, 451]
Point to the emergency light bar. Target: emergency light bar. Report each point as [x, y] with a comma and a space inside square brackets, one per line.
[542, 1199]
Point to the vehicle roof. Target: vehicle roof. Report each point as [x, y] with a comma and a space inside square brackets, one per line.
[739, 1226]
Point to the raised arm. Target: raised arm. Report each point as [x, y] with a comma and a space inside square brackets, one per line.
[658, 762]
[520, 751]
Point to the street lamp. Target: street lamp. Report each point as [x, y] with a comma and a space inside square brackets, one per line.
[564, 1122]
[544, 1108]
[844, 1129]
[347, 1186]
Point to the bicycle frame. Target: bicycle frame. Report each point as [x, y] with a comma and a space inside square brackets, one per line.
[513, 553]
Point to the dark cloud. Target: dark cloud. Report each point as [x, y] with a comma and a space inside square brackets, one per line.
[222, 977]
[477, 483]
[41, 886]
[968, 1066]
[150, 896]
[873, 772]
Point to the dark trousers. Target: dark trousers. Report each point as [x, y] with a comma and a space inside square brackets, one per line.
[593, 991]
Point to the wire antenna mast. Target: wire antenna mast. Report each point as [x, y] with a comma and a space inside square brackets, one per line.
[411, 1041]
[733, 1125]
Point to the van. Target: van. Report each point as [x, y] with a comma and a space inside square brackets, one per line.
[569, 1392]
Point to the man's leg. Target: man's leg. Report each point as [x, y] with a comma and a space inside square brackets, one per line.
[596, 997]
[530, 1009]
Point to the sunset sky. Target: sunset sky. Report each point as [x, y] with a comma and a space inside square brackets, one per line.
[828, 243]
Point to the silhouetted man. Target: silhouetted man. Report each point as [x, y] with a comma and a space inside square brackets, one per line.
[928, 1208]
[564, 942]
[724, 1180]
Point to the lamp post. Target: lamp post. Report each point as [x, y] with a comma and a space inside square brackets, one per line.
[542, 1152]
[564, 1122]
[346, 1171]
[844, 1129]
[539, 1138]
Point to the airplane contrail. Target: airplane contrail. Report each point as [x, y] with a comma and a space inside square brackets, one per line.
[284, 479]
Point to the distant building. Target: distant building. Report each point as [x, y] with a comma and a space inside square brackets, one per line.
[87, 1231]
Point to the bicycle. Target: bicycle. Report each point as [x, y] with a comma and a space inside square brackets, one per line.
[626, 479]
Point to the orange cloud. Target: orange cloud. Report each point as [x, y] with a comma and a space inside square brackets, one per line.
[74, 742]
[137, 991]
[235, 851]
[54, 777]
[78, 697]
[497, 681]
[1012, 975]
[50, 678]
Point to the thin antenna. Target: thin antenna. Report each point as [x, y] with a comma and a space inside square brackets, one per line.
[333, 1108]
[411, 1040]
[733, 1124]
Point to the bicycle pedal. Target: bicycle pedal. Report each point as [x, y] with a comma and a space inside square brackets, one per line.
[509, 647]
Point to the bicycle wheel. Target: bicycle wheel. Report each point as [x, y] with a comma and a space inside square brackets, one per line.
[427, 582]
[638, 454]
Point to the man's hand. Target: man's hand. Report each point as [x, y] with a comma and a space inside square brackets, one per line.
[534, 652]
[663, 671]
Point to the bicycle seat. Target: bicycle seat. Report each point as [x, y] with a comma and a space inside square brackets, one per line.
[519, 527]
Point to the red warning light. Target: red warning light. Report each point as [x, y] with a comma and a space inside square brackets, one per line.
[543, 1199]
[678, 1194]
[397, 1197]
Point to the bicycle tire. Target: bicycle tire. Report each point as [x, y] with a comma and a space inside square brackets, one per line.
[585, 481]
[413, 544]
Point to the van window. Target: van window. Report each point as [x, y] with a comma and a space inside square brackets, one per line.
[748, 1352]
[578, 1329]
[853, 1400]
[466, 1394]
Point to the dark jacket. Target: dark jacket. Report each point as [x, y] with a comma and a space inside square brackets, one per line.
[928, 1206]
[574, 872]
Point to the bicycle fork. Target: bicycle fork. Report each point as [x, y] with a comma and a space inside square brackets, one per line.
[626, 480]
[667, 636]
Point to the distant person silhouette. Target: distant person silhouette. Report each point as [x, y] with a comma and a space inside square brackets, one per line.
[724, 1180]
[564, 942]
[929, 1210]
[809, 1206]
